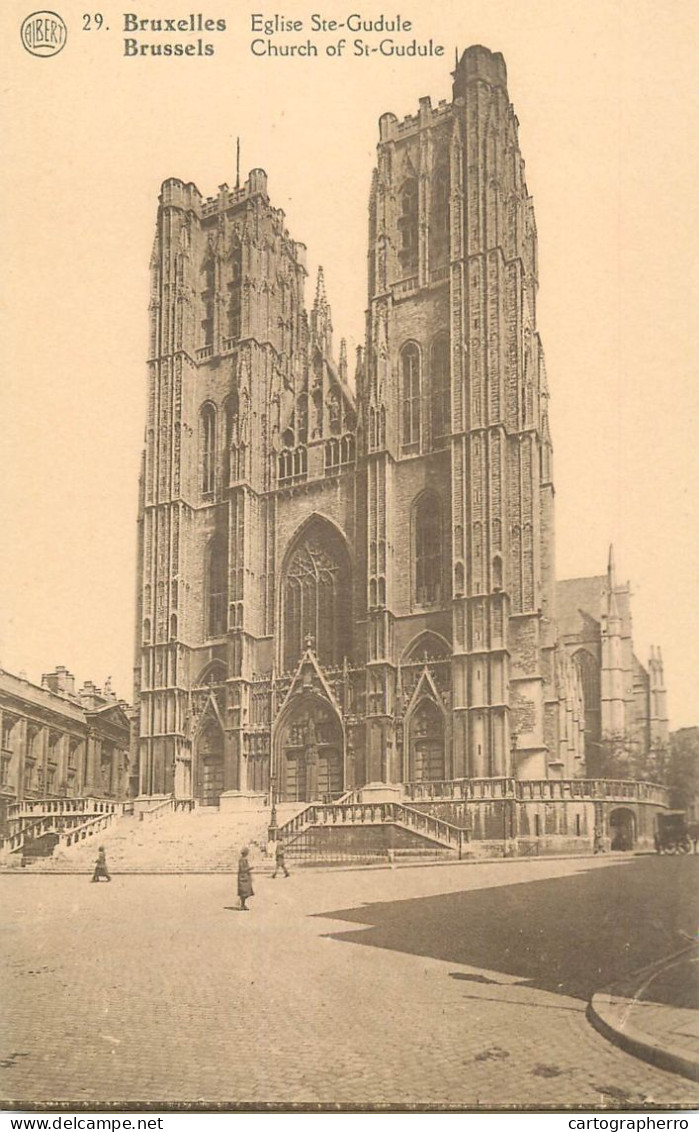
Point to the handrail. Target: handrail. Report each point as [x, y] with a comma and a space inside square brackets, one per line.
[87, 829]
[167, 805]
[374, 813]
[17, 840]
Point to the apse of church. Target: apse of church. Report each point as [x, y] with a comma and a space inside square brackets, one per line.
[349, 581]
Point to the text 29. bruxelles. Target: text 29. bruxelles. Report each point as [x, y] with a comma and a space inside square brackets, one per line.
[192, 24]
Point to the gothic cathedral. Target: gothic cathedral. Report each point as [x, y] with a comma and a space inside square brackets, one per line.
[351, 581]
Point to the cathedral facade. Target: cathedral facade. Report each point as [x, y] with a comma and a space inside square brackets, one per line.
[346, 580]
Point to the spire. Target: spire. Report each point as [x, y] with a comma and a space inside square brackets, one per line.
[611, 569]
[321, 316]
[343, 359]
[321, 300]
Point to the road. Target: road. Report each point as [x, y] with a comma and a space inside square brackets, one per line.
[453, 985]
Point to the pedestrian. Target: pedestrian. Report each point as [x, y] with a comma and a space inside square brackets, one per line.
[101, 869]
[598, 840]
[245, 889]
[279, 862]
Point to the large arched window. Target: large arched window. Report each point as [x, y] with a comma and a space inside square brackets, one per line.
[217, 588]
[441, 389]
[207, 442]
[589, 670]
[408, 224]
[427, 756]
[410, 394]
[317, 598]
[428, 550]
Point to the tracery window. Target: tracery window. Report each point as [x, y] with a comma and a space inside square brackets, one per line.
[317, 599]
[207, 437]
[333, 404]
[589, 669]
[441, 389]
[217, 588]
[428, 551]
[410, 392]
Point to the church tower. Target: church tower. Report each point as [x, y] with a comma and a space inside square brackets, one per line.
[458, 457]
[245, 409]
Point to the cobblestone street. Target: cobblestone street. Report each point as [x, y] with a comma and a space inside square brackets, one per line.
[156, 990]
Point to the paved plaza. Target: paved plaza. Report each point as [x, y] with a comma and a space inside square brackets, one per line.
[450, 984]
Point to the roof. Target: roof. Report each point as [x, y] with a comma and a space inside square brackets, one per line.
[577, 595]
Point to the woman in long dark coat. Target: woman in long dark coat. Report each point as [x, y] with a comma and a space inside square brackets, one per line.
[245, 888]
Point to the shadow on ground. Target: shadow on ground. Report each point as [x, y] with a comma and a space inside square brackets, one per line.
[571, 935]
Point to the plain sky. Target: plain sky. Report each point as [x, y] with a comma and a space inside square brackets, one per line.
[606, 97]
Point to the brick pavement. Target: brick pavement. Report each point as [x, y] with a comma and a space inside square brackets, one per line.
[154, 990]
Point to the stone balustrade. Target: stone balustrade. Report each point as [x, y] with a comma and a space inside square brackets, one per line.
[61, 807]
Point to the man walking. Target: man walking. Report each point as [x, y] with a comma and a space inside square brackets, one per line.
[245, 889]
[279, 862]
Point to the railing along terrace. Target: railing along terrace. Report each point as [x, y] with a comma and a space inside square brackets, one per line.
[552, 789]
[547, 789]
[62, 806]
[466, 789]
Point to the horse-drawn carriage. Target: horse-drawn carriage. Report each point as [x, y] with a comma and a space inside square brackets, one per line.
[673, 834]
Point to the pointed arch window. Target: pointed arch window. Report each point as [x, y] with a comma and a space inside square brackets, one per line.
[408, 224]
[207, 299]
[217, 588]
[207, 438]
[428, 551]
[439, 220]
[441, 390]
[235, 291]
[410, 393]
[317, 600]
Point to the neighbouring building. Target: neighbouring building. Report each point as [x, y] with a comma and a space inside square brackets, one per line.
[625, 702]
[59, 742]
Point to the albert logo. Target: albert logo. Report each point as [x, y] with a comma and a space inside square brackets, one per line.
[44, 34]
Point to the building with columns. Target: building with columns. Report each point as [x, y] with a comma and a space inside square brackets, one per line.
[353, 581]
[59, 742]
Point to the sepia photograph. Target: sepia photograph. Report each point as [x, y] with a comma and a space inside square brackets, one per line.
[349, 734]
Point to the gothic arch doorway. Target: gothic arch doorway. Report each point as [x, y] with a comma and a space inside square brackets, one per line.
[426, 753]
[310, 750]
[622, 829]
[209, 777]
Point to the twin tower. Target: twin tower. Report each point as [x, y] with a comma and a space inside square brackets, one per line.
[346, 580]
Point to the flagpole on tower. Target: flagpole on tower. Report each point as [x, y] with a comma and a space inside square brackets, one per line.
[237, 163]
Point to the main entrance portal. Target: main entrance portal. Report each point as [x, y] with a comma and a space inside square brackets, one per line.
[311, 753]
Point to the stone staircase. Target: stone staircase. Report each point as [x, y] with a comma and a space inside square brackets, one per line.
[202, 840]
[350, 829]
